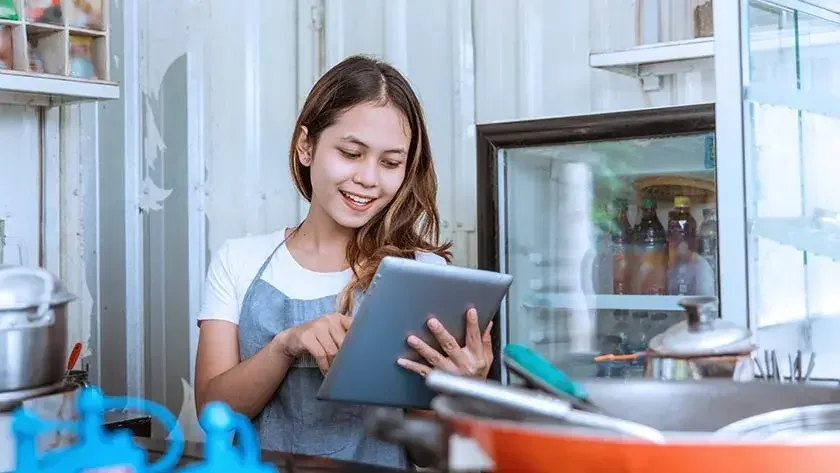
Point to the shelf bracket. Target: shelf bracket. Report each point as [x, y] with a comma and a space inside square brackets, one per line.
[650, 82]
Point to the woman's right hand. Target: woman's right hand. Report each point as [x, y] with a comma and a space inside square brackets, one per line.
[320, 338]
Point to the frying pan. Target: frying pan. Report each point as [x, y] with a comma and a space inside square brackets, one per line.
[688, 412]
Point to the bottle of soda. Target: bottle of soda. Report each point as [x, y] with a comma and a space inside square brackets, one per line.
[682, 240]
[652, 246]
[621, 249]
[707, 243]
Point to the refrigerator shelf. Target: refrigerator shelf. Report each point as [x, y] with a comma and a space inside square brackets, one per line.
[800, 233]
[557, 301]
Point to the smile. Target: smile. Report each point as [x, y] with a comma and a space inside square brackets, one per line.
[357, 202]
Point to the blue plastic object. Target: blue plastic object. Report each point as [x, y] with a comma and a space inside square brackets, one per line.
[220, 456]
[100, 451]
[96, 448]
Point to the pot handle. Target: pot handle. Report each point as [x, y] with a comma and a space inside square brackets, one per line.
[423, 438]
[48, 285]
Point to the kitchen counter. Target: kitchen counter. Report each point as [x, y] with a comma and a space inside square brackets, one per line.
[285, 462]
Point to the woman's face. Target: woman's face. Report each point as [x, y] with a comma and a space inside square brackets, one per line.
[359, 163]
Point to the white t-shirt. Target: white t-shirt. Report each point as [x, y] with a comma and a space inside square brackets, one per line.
[238, 260]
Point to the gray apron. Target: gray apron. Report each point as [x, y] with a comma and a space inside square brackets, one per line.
[294, 421]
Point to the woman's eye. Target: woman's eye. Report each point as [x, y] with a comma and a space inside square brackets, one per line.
[349, 154]
[391, 164]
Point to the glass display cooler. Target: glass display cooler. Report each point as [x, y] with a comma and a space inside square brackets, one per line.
[607, 220]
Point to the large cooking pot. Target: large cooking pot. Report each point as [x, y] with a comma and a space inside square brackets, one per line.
[688, 413]
[33, 328]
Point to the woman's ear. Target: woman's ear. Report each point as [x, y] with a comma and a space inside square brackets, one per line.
[303, 147]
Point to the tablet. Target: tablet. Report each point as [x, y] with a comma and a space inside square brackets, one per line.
[404, 294]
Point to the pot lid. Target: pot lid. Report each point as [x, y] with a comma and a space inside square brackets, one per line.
[702, 333]
[24, 288]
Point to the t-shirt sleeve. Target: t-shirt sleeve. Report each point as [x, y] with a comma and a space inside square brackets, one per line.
[220, 301]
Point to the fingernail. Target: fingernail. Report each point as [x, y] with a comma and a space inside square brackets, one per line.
[473, 315]
[433, 323]
[402, 362]
[413, 341]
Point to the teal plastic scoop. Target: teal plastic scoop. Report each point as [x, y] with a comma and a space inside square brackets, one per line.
[543, 375]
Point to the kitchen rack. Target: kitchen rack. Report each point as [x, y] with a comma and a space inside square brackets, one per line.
[44, 44]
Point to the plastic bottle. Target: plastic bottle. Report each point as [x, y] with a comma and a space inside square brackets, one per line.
[652, 247]
[682, 241]
[621, 249]
[707, 243]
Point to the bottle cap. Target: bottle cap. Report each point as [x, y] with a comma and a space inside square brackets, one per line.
[682, 201]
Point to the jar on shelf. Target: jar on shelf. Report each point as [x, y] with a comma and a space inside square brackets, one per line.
[47, 12]
[703, 18]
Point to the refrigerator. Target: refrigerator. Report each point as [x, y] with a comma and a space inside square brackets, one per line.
[605, 221]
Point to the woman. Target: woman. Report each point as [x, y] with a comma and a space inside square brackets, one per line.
[277, 306]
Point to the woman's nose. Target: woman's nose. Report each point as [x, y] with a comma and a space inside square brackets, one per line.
[367, 173]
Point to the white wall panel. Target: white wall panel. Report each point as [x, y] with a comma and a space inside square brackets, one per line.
[218, 119]
[250, 65]
[431, 42]
[20, 184]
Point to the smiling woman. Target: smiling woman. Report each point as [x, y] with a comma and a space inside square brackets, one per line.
[277, 306]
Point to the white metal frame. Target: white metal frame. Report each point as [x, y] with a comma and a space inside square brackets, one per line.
[135, 333]
[51, 189]
[502, 250]
[729, 113]
[732, 74]
[196, 165]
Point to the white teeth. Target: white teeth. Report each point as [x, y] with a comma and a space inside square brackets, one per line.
[356, 199]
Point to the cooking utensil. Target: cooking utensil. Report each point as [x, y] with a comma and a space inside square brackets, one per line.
[703, 346]
[797, 423]
[688, 412]
[74, 356]
[533, 403]
[541, 374]
[530, 444]
[796, 374]
[811, 362]
[33, 328]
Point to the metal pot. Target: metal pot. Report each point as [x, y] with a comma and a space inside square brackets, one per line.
[808, 423]
[33, 328]
[703, 346]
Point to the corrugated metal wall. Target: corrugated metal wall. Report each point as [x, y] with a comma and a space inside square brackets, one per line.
[198, 146]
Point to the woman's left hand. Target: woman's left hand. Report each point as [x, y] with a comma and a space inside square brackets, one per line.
[472, 360]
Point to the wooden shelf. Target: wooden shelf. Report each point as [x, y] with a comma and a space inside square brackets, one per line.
[59, 53]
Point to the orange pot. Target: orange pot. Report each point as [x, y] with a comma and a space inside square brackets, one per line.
[520, 448]
[689, 413]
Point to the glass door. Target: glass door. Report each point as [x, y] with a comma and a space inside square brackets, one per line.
[791, 137]
[605, 225]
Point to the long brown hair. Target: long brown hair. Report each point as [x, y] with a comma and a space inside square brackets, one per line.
[410, 223]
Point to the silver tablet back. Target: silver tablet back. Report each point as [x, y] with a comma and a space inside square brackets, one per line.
[403, 295]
